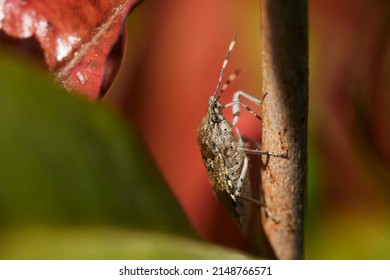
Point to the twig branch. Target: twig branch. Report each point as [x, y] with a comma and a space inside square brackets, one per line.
[285, 111]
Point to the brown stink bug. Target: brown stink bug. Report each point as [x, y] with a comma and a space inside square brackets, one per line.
[225, 157]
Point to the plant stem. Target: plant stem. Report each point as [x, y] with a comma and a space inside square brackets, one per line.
[285, 114]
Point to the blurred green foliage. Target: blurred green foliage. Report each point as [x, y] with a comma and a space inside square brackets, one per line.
[76, 183]
[105, 243]
[341, 232]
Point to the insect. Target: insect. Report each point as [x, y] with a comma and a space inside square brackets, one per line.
[225, 157]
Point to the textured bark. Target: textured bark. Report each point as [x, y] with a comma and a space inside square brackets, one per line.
[285, 112]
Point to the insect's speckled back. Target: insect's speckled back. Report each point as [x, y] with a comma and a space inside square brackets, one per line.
[224, 164]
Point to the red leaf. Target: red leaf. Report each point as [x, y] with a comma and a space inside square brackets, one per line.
[76, 36]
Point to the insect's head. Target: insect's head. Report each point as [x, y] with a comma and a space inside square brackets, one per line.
[215, 110]
[215, 107]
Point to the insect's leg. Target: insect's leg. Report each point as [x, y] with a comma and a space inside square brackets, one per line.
[237, 102]
[239, 138]
[271, 215]
[241, 148]
[261, 152]
[238, 94]
[236, 112]
[262, 205]
[243, 174]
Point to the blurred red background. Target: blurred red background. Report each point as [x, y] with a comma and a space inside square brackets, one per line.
[164, 88]
[173, 57]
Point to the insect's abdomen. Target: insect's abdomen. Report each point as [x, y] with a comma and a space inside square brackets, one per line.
[224, 182]
[224, 165]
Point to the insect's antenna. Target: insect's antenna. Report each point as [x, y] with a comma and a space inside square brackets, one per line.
[231, 78]
[225, 62]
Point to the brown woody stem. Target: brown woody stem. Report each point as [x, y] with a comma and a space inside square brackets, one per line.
[285, 114]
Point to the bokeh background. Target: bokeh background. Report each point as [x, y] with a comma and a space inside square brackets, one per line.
[173, 57]
[84, 180]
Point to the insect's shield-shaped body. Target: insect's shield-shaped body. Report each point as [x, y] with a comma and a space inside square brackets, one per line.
[225, 157]
[226, 165]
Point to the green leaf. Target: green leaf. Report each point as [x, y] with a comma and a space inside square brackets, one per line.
[67, 161]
